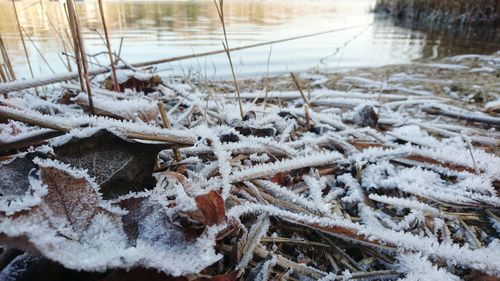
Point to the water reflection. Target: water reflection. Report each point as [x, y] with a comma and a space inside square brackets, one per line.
[159, 29]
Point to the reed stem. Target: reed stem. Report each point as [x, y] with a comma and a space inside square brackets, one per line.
[6, 59]
[116, 86]
[76, 48]
[167, 125]
[81, 46]
[3, 78]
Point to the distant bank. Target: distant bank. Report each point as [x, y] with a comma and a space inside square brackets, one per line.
[470, 14]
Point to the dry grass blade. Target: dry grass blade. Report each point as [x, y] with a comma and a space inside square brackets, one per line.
[225, 44]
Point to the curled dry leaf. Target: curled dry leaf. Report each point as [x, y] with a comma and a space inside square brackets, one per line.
[212, 207]
[138, 81]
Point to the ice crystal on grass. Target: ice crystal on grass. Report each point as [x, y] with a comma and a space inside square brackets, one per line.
[266, 170]
[419, 268]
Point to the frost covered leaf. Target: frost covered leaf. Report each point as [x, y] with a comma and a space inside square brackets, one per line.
[147, 221]
[16, 193]
[212, 207]
[366, 117]
[74, 226]
[118, 165]
[73, 199]
[66, 199]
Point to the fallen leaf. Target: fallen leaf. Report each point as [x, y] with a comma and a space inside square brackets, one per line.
[117, 165]
[212, 208]
[74, 226]
[16, 194]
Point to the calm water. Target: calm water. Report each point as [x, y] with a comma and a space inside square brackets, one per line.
[159, 29]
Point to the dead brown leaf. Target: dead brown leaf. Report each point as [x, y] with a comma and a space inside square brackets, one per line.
[212, 207]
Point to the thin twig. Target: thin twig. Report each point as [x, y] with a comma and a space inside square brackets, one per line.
[38, 51]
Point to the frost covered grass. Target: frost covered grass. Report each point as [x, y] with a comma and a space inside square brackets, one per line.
[382, 174]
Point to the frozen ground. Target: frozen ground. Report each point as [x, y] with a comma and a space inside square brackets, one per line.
[390, 173]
